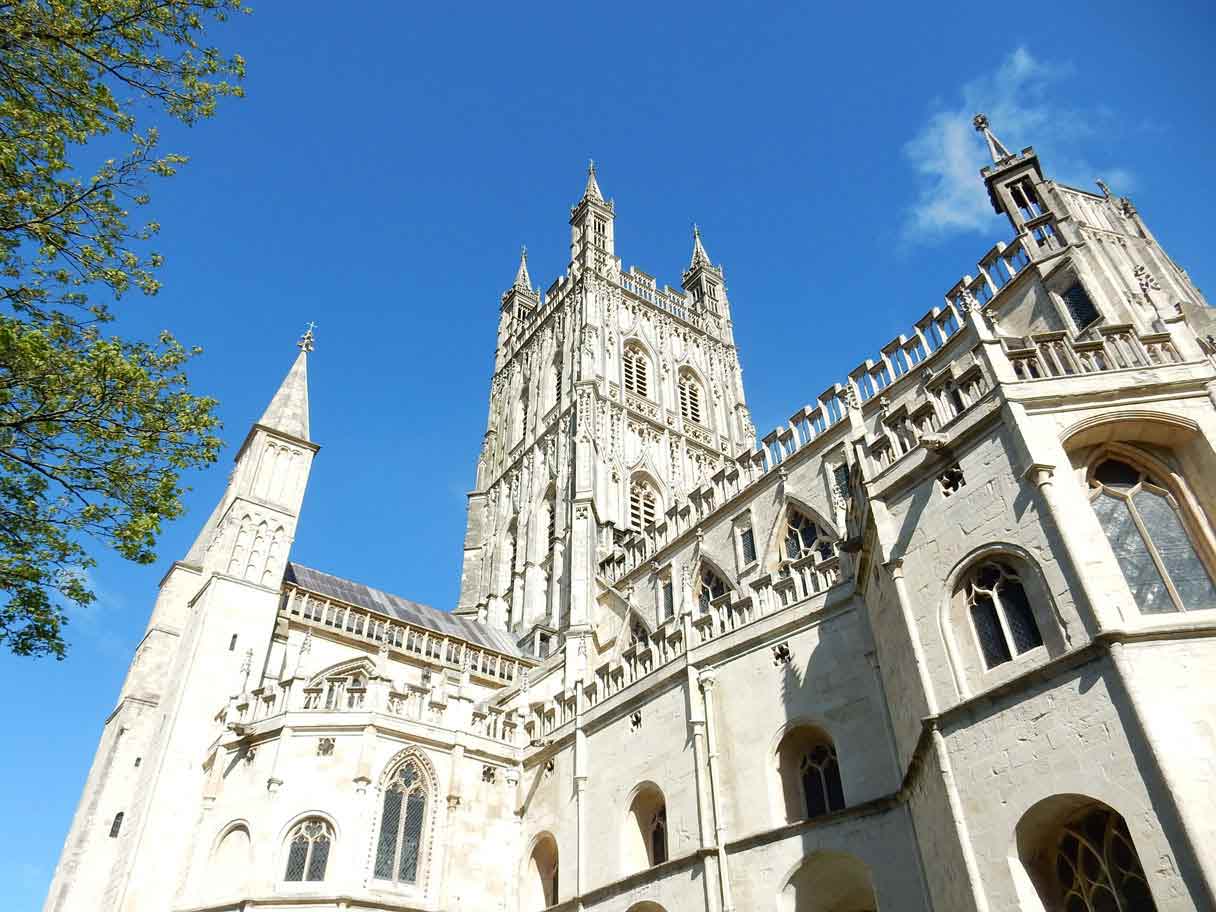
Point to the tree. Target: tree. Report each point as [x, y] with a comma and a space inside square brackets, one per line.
[95, 429]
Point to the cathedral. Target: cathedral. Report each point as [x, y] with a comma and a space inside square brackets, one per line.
[937, 642]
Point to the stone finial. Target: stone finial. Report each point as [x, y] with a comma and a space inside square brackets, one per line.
[307, 341]
[995, 147]
[523, 281]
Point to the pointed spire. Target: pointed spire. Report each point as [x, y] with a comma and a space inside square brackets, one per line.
[699, 256]
[593, 188]
[523, 281]
[288, 410]
[996, 148]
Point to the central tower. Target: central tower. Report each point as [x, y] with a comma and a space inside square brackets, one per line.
[611, 399]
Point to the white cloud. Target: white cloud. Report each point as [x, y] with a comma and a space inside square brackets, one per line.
[1022, 99]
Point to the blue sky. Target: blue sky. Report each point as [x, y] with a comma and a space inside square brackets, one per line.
[388, 162]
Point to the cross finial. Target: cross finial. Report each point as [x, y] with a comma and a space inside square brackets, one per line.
[307, 341]
[591, 166]
[996, 148]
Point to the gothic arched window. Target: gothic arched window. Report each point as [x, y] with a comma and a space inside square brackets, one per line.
[1084, 861]
[710, 587]
[646, 830]
[803, 537]
[810, 774]
[399, 847]
[643, 503]
[542, 892]
[1000, 612]
[308, 846]
[637, 369]
[690, 397]
[1145, 526]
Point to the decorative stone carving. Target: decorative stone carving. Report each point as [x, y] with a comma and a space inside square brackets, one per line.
[325, 747]
[952, 479]
[782, 654]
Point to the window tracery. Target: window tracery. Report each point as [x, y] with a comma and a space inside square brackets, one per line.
[1146, 528]
[399, 846]
[804, 538]
[1095, 865]
[819, 772]
[1000, 612]
[810, 774]
[308, 848]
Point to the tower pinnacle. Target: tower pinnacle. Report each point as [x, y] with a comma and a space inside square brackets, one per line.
[523, 281]
[996, 148]
[699, 256]
[288, 410]
[593, 188]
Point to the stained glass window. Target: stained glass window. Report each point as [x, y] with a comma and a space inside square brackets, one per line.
[1144, 526]
[747, 540]
[821, 786]
[1000, 612]
[399, 847]
[308, 850]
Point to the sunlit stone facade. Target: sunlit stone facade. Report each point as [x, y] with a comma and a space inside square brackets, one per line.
[945, 640]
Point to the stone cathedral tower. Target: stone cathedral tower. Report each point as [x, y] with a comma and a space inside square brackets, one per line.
[944, 640]
[612, 399]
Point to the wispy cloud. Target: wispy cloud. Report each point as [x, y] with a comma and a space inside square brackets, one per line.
[94, 621]
[1024, 101]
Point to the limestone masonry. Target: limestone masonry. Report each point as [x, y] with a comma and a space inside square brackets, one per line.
[946, 640]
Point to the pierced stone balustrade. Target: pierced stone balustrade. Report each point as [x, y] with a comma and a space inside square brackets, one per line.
[1056, 354]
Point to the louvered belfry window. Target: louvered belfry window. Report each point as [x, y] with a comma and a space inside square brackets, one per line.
[402, 821]
[637, 369]
[690, 398]
[643, 504]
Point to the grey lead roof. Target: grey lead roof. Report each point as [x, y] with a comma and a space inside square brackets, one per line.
[403, 609]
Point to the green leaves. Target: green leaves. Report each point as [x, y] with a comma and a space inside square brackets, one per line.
[94, 429]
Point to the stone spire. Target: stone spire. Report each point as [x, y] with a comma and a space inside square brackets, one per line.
[593, 188]
[288, 410]
[996, 148]
[523, 281]
[699, 256]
